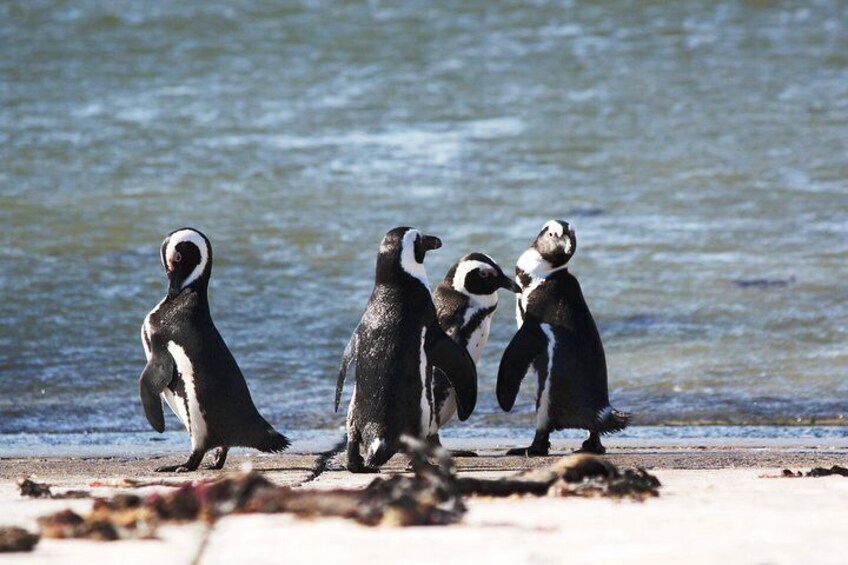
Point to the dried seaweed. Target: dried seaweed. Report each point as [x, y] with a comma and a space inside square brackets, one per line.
[635, 484]
[17, 539]
[67, 524]
[432, 495]
[822, 472]
[575, 475]
[31, 489]
[814, 472]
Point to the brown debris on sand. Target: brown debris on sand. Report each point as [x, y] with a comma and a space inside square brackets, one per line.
[574, 475]
[31, 489]
[428, 497]
[814, 472]
[17, 539]
[822, 472]
[432, 495]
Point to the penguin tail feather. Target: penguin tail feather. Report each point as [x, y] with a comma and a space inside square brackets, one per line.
[271, 441]
[378, 453]
[612, 421]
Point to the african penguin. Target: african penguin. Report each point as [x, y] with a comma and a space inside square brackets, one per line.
[465, 301]
[190, 367]
[394, 350]
[558, 339]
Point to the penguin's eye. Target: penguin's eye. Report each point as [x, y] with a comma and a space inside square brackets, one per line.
[485, 274]
[177, 257]
[550, 234]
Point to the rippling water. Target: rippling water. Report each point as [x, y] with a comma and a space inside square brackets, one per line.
[700, 149]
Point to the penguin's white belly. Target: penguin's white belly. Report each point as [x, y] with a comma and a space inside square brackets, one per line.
[187, 411]
[543, 416]
[448, 409]
[429, 425]
[478, 339]
[177, 407]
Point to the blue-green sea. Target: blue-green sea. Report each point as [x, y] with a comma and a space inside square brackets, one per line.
[699, 148]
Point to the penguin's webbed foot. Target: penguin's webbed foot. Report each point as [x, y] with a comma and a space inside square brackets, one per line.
[220, 458]
[191, 465]
[175, 469]
[435, 442]
[355, 461]
[361, 468]
[540, 447]
[463, 453]
[532, 451]
[167, 468]
[592, 445]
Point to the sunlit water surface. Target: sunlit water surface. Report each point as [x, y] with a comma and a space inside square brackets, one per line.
[699, 148]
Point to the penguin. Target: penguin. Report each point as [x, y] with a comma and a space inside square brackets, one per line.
[466, 300]
[190, 367]
[393, 351]
[559, 340]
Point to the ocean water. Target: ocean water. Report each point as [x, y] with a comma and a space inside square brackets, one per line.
[699, 148]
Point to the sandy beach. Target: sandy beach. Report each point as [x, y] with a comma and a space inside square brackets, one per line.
[724, 504]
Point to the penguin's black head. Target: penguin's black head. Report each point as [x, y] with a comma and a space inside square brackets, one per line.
[478, 275]
[187, 257]
[556, 243]
[404, 249]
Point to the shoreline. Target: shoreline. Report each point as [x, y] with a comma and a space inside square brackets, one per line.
[83, 469]
[147, 444]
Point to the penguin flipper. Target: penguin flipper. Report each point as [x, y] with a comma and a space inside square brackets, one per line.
[527, 343]
[347, 358]
[456, 364]
[154, 379]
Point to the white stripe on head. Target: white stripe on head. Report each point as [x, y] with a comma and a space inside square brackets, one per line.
[554, 227]
[461, 273]
[559, 231]
[407, 257]
[193, 237]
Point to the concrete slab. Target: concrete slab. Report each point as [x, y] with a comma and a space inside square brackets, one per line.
[177, 545]
[705, 515]
[728, 516]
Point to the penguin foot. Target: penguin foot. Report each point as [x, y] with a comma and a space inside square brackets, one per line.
[434, 441]
[191, 465]
[532, 451]
[220, 458]
[362, 469]
[174, 469]
[592, 445]
[463, 453]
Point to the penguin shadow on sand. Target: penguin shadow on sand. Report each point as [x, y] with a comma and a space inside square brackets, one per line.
[191, 369]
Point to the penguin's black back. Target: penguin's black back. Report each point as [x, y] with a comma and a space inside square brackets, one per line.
[579, 388]
[230, 416]
[451, 306]
[388, 357]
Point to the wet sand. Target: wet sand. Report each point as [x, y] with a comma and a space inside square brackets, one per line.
[78, 470]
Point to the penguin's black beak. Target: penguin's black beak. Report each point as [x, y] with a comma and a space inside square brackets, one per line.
[430, 242]
[509, 284]
[175, 283]
[425, 243]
